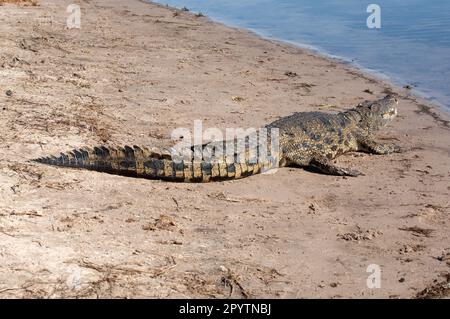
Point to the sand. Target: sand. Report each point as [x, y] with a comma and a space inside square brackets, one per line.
[136, 71]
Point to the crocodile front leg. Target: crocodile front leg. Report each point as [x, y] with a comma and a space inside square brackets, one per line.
[368, 145]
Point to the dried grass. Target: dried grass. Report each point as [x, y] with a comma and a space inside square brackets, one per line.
[20, 2]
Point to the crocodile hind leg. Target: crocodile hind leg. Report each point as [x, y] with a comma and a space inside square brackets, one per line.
[368, 145]
[322, 164]
[325, 166]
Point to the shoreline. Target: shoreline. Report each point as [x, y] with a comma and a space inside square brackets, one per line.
[347, 61]
[368, 73]
[134, 72]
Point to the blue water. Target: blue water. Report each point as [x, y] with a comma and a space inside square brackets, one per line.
[411, 47]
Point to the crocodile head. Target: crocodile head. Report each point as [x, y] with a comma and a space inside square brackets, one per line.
[377, 114]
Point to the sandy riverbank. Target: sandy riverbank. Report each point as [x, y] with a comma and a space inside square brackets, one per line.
[133, 73]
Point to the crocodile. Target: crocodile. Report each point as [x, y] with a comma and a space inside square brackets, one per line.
[309, 140]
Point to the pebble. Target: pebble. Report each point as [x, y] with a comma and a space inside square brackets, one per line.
[223, 269]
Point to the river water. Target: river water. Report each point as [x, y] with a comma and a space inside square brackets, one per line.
[410, 47]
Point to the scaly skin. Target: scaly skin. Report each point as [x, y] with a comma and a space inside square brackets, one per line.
[307, 139]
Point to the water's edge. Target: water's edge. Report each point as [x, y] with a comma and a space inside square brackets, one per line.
[345, 61]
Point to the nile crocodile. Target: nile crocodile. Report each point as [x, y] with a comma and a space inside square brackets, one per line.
[305, 139]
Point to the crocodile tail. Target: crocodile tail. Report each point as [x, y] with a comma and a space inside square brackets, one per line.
[127, 161]
[154, 163]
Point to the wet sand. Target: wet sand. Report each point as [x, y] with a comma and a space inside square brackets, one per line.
[132, 74]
